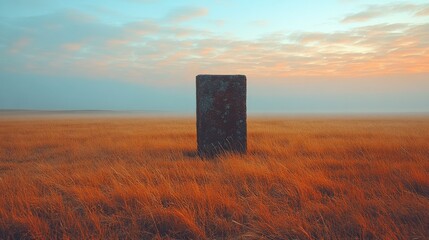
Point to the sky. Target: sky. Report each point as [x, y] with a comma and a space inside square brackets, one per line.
[328, 56]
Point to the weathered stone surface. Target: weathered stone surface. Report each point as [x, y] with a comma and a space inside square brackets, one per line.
[221, 114]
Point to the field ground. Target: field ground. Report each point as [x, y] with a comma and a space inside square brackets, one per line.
[133, 178]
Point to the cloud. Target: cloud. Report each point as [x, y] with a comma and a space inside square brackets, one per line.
[72, 47]
[377, 11]
[72, 43]
[19, 45]
[157, 29]
[51, 31]
[423, 12]
[186, 14]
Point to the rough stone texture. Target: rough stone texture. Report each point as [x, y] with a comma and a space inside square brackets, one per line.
[221, 114]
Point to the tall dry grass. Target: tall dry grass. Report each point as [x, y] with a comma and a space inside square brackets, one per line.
[139, 178]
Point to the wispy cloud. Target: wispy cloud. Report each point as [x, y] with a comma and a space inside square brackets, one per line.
[19, 45]
[186, 13]
[72, 46]
[377, 11]
[76, 44]
[424, 11]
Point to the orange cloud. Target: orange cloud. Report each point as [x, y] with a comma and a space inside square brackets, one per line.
[186, 13]
[376, 11]
[161, 52]
[19, 45]
[423, 12]
[72, 47]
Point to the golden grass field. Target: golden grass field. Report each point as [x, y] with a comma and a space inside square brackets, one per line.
[139, 178]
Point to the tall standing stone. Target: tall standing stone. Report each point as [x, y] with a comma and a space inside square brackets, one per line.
[221, 114]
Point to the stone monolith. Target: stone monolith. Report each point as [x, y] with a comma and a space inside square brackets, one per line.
[221, 114]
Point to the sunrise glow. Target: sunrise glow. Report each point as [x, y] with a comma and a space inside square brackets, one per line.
[66, 51]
